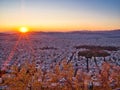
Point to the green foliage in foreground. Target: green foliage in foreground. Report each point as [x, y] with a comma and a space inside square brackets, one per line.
[61, 77]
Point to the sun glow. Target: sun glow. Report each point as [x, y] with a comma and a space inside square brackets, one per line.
[23, 29]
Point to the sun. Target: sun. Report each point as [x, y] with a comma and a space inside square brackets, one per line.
[23, 29]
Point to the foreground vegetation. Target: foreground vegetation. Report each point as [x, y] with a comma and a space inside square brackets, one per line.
[61, 77]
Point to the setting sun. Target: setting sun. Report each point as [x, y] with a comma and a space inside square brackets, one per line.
[23, 29]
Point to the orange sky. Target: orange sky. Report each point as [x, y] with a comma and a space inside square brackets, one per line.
[69, 15]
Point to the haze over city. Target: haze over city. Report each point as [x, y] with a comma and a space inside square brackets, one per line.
[59, 44]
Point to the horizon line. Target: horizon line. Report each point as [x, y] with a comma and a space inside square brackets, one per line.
[14, 31]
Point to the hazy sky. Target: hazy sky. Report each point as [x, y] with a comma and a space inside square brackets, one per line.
[60, 15]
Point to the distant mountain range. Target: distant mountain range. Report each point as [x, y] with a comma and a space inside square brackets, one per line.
[117, 31]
